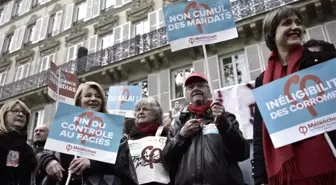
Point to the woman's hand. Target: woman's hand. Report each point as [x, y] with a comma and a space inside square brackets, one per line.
[78, 165]
[55, 170]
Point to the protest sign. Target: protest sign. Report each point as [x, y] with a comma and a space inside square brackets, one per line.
[300, 105]
[239, 100]
[85, 133]
[121, 100]
[68, 85]
[199, 22]
[147, 159]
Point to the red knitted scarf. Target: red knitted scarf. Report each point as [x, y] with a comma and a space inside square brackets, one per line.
[307, 162]
[200, 110]
[147, 129]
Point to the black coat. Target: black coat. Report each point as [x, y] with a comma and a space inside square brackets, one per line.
[121, 173]
[135, 135]
[27, 161]
[259, 174]
[210, 159]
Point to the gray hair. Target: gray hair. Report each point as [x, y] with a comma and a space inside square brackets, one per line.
[154, 106]
[272, 21]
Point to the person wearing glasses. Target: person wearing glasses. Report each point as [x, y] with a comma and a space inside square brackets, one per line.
[17, 158]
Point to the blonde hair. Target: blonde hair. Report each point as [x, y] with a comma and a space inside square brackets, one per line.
[3, 111]
[95, 86]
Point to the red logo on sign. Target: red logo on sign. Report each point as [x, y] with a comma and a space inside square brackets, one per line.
[303, 130]
[194, 5]
[151, 155]
[91, 119]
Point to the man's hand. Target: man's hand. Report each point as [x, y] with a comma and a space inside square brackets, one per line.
[190, 128]
[217, 109]
[54, 170]
[78, 165]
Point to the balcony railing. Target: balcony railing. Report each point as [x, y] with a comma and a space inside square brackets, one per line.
[242, 9]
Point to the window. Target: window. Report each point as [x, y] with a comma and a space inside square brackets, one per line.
[45, 62]
[108, 4]
[38, 117]
[140, 28]
[234, 70]
[156, 20]
[122, 33]
[80, 12]
[29, 33]
[7, 43]
[22, 72]
[144, 87]
[105, 41]
[51, 25]
[3, 76]
[179, 77]
[72, 51]
[18, 6]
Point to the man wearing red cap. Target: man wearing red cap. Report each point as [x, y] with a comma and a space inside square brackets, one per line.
[205, 143]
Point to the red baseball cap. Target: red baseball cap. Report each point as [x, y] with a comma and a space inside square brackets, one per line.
[194, 76]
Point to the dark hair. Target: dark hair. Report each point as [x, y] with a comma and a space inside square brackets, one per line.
[272, 21]
[325, 46]
[82, 52]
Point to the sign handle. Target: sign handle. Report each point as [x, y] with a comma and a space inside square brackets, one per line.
[332, 147]
[58, 86]
[207, 70]
[69, 175]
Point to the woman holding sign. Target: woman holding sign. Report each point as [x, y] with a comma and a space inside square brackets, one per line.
[146, 144]
[307, 162]
[91, 96]
[17, 158]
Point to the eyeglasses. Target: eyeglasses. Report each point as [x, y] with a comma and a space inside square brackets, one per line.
[18, 111]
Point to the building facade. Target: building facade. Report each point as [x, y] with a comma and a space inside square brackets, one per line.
[127, 44]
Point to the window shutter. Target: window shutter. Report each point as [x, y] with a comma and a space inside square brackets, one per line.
[89, 5]
[71, 53]
[44, 62]
[37, 30]
[330, 28]
[152, 21]
[44, 28]
[199, 66]
[28, 5]
[95, 8]
[111, 41]
[25, 72]
[316, 33]
[253, 59]
[9, 10]
[57, 24]
[161, 18]
[126, 31]
[14, 40]
[20, 38]
[68, 16]
[118, 3]
[117, 34]
[214, 72]
[49, 112]
[92, 44]
[2, 39]
[3, 78]
[153, 85]
[265, 53]
[21, 8]
[52, 58]
[164, 90]
[18, 73]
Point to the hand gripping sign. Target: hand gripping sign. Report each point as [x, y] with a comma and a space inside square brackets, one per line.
[301, 105]
[85, 133]
[147, 159]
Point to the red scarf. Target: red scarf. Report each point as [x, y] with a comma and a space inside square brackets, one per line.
[147, 129]
[200, 110]
[307, 162]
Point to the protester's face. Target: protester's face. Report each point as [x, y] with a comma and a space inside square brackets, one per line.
[198, 93]
[41, 133]
[16, 117]
[289, 33]
[91, 99]
[144, 114]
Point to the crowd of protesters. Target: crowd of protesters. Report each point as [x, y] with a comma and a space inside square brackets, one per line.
[204, 143]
